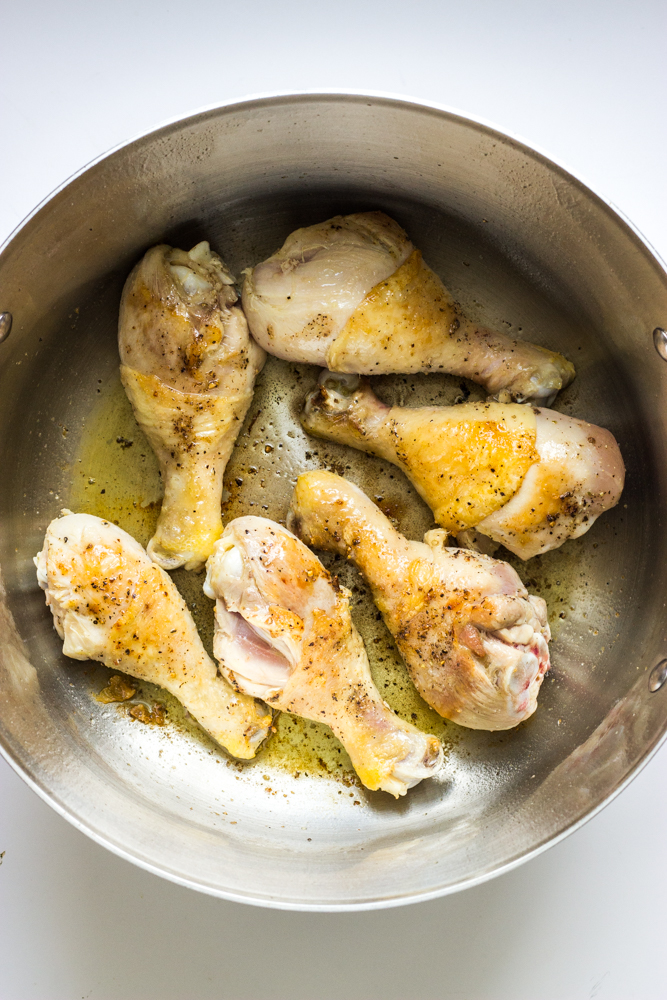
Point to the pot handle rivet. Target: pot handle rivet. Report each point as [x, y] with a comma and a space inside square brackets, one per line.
[658, 676]
[5, 325]
[660, 341]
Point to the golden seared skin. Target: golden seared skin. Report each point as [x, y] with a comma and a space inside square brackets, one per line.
[112, 604]
[527, 477]
[354, 295]
[474, 640]
[188, 366]
[284, 633]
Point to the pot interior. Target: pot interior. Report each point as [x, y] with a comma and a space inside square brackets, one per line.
[526, 249]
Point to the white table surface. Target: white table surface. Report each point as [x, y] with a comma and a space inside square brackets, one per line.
[585, 81]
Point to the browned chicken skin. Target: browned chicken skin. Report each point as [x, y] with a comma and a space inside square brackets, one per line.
[112, 604]
[475, 642]
[528, 478]
[354, 295]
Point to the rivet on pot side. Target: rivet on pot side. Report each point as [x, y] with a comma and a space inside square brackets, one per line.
[5, 325]
[658, 676]
[660, 341]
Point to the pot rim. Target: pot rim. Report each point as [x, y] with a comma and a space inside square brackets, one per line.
[270, 96]
[267, 99]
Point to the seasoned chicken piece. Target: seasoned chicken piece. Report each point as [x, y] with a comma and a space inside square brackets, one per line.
[188, 366]
[284, 634]
[529, 478]
[474, 640]
[353, 295]
[111, 603]
[298, 301]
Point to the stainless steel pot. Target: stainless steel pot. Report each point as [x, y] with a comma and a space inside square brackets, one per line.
[526, 247]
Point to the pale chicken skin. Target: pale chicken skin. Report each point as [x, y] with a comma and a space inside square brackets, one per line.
[188, 366]
[354, 295]
[284, 633]
[474, 640]
[527, 477]
[112, 604]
